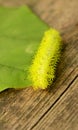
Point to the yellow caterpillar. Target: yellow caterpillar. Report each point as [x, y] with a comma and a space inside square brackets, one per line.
[42, 70]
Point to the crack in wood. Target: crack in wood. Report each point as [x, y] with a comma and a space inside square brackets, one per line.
[60, 96]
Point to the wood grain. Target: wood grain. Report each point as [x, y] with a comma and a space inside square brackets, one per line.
[56, 107]
[64, 114]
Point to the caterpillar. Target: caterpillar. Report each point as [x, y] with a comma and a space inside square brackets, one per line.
[43, 68]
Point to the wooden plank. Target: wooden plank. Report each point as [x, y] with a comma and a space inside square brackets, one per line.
[64, 114]
[22, 110]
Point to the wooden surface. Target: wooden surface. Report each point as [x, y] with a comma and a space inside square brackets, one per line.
[56, 108]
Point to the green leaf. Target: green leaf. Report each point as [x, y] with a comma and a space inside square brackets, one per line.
[20, 34]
